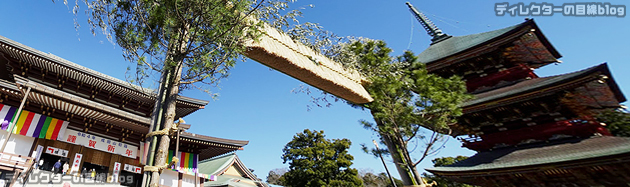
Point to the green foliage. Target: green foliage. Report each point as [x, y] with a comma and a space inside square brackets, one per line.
[617, 122]
[201, 36]
[380, 180]
[316, 161]
[441, 181]
[445, 161]
[274, 176]
[407, 100]
[406, 96]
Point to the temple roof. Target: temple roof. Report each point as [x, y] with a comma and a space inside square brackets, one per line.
[231, 181]
[207, 146]
[529, 86]
[458, 44]
[219, 165]
[64, 67]
[569, 150]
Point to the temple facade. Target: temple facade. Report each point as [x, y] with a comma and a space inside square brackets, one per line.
[528, 130]
[53, 110]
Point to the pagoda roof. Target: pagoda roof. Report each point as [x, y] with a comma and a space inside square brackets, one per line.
[537, 87]
[459, 44]
[563, 152]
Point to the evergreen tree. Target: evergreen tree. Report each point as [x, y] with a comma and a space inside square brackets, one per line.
[407, 102]
[317, 161]
[380, 180]
[183, 44]
[274, 176]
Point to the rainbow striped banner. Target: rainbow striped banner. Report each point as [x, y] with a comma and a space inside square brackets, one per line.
[31, 124]
[187, 162]
[144, 152]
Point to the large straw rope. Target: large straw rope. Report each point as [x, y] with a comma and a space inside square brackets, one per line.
[279, 51]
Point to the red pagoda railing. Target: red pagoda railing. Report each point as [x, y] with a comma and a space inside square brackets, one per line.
[572, 127]
[512, 74]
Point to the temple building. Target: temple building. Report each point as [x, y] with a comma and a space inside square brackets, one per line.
[528, 130]
[230, 172]
[59, 111]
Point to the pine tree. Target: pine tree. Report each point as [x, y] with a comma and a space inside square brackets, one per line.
[408, 101]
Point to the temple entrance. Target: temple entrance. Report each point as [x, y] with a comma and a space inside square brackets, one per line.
[50, 160]
[100, 172]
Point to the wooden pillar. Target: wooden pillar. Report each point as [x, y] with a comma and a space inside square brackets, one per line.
[71, 153]
[82, 152]
[180, 177]
[33, 147]
[112, 161]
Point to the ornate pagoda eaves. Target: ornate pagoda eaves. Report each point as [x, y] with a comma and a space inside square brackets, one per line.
[539, 87]
[278, 51]
[455, 46]
[528, 158]
[64, 67]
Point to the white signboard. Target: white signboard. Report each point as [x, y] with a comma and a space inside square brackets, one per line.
[99, 143]
[116, 172]
[38, 152]
[76, 162]
[57, 151]
[132, 168]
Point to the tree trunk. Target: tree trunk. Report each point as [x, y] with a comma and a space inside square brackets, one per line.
[156, 123]
[406, 173]
[409, 175]
[169, 104]
[169, 88]
[418, 177]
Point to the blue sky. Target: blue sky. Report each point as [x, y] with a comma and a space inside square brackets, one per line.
[257, 104]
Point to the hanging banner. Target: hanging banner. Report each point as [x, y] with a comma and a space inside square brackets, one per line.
[99, 143]
[76, 162]
[57, 151]
[31, 124]
[144, 152]
[38, 152]
[116, 172]
[187, 163]
[132, 169]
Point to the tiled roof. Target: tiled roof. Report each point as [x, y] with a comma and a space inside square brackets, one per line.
[59, 65]
[539, 83]
[216, 165]
[231, 181]
[457, 44]
[541, 154]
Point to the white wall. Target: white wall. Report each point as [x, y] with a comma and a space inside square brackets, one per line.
[17, 144]
[169, 178]
[188, 181]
